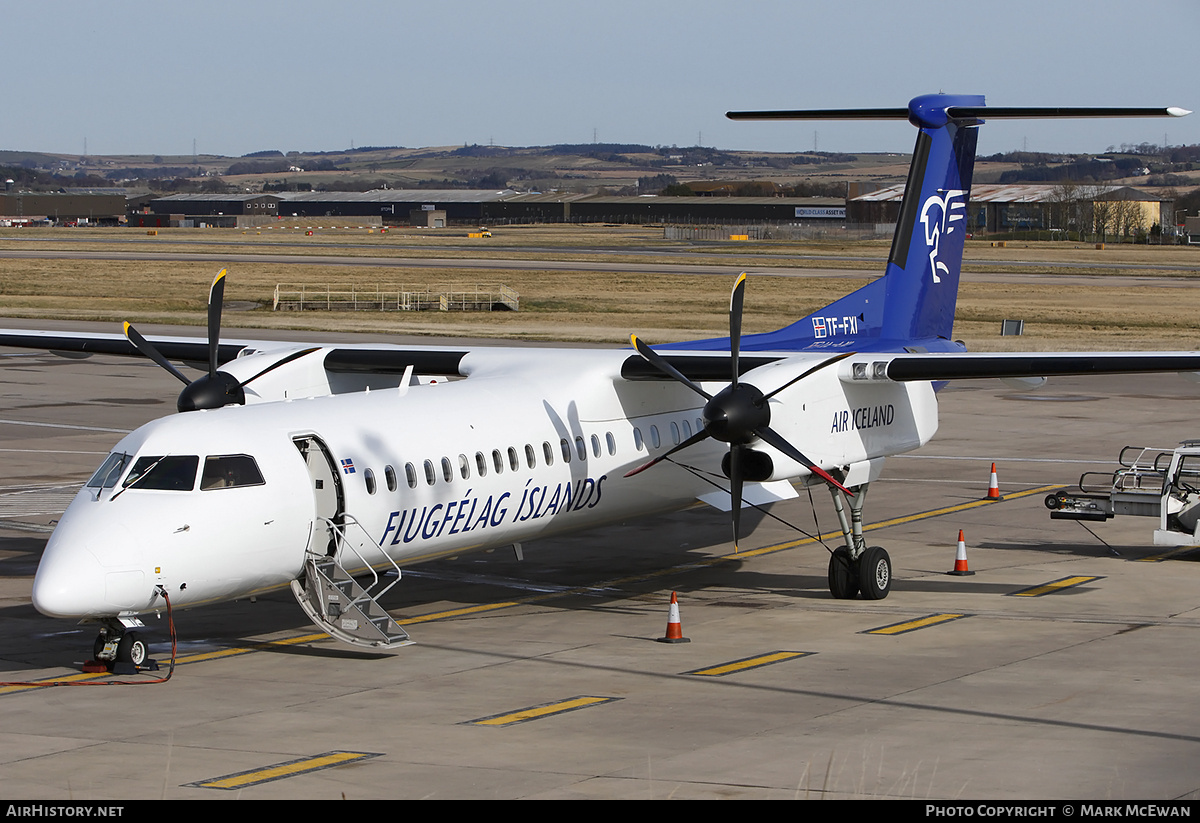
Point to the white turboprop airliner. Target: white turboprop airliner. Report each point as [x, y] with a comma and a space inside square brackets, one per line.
[304, 465]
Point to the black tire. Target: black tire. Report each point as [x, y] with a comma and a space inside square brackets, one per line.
[874, 573]
[843, 575]
[98, 646]
[132, 649]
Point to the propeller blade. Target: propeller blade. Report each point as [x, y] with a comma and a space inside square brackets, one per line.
[815, 368]
[736, 301]
[767, 434]
[735, 490]
[146, 348]
[293, 356]
[691, 441]
[216, 297]
[660, 363]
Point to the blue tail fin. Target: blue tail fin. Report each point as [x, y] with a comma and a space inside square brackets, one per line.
[921, 283]
[912, 305]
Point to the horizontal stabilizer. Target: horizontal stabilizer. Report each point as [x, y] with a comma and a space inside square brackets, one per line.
[964, 113]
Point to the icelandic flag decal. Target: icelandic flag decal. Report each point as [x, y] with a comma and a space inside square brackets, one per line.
[819, 327]
[348, 466]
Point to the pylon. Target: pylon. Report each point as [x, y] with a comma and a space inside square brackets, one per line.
[674, 627]
[993, 485]
[960, 558]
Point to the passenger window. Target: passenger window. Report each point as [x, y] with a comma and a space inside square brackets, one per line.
[447, 469]
[611, 442]
[514, 462]
[548, 453]
[369, 477]
[410, 474]
[580, 448]
[595, 446]
[654, 439]
[674, 433]
[687, 430]
[530, 456]
[170, 473]
[566, 450]
[389, 475]
[464, 467]
[481, 464]
[226, 471]
[638, 443]
[497, 461]
[430, 473]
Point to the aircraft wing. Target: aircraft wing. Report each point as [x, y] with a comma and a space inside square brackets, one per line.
[437, 360]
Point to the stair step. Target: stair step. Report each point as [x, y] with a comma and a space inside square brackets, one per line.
[339, 606]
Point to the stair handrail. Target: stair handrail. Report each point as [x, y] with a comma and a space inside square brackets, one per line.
[339, 530]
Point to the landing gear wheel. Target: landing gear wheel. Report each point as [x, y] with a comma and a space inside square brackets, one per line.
[843, 575]
[875, 573]
[132, 649]
[98, 646]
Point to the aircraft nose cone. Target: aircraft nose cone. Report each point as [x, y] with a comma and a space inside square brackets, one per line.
[74, 589]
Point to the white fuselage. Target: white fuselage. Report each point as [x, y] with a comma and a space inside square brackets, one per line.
[533, 443]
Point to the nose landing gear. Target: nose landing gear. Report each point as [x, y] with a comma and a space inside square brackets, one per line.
[120, 650]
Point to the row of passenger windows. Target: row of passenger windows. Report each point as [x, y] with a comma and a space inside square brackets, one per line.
[510, 458]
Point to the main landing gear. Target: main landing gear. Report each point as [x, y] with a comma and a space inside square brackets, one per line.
[857, 567]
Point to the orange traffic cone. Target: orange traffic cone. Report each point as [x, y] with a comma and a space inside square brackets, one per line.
[674, 627]
[960, 558]
[993, 485]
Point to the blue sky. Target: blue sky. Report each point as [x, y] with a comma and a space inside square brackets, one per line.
[238, 77]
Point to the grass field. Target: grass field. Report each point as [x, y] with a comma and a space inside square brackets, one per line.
[1160, 311]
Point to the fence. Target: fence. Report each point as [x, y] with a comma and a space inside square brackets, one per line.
[396, 298]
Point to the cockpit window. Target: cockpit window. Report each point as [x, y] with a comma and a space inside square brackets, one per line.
[175, 473]
[110, 471]
[229, 471]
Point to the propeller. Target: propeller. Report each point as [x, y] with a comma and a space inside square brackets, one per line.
[739, 414]
[217, 388]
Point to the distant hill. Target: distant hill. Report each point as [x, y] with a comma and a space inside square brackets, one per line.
[612, 168]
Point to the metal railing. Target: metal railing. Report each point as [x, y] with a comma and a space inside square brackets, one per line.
[456, 297]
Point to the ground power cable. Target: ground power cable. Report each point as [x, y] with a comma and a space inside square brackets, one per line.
[147, 682]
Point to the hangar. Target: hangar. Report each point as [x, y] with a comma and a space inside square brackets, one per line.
[1115, 211]
[28, 207]
[481, 207]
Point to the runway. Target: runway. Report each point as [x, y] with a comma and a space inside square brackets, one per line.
[541, 678]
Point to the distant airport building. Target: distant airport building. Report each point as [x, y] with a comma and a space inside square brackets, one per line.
[1191, 230]
[87, 207]
[481, 207]
[1117, 211]
[216, 210]
[654, 209]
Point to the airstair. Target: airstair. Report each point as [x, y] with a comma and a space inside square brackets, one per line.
[335, 601]
[1136, 488]
[1150, 482]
